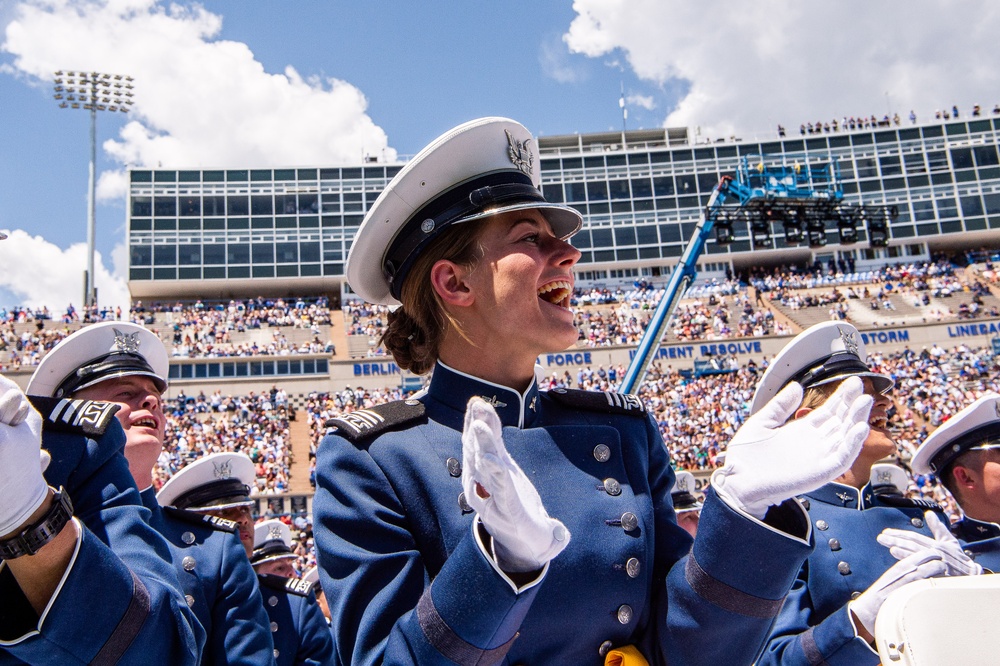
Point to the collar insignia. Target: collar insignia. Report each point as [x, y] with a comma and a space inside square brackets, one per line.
[493, 400]
[520, 153]
[981, 528]
[850, 344]
[274, 533]
[845, 496]
[534, 399]
[126, 343]
[224, 470]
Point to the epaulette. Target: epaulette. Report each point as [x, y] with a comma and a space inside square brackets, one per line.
[295, 586]
[901, 502]
[599, 401]
[363, 424]
[82, 417]
[205, 519]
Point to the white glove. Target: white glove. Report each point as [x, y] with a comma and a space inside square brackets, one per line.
[525, 538]
[22, 486]
[769, 460]
[902, 543]
[919, 565]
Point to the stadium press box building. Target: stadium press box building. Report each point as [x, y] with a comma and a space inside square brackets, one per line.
[239, 233]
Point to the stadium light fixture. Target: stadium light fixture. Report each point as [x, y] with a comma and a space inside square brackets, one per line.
[92, 91]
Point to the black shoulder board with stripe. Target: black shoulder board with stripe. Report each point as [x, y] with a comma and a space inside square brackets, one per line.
[86, 417]
[599, 401]
[364, 424]
[901, 502]
[295, 586]
[201, 519]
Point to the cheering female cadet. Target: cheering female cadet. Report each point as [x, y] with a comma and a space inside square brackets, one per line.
[483, 521]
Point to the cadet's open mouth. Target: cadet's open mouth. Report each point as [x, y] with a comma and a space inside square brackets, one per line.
[557, 293]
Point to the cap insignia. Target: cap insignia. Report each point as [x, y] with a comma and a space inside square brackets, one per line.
[126, 343]
[884, 476]
[520, 153]
[274, 532]
[996, 408]
[223, 470]
[850, 344]
[682, 485]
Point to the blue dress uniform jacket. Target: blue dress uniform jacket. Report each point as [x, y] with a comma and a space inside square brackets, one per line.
[981, 541]
[120, 600]
[814, 626]
[407, 582]
[301, 634]
[219, 583]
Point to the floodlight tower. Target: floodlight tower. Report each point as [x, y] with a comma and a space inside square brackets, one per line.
[93, 91]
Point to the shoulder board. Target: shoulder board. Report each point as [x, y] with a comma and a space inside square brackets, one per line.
[82, 417]
[201, 519]
[906, 503]
[599, 401]
[296, 586]
[363, 424]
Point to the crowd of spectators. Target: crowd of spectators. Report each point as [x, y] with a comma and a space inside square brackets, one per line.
[255, 424]
[851, 123]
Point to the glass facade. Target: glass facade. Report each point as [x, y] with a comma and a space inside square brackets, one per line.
[641, 195]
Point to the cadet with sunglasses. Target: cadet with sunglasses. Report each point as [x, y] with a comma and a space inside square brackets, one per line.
[829, 616]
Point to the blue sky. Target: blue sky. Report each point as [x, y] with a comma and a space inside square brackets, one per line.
[269, 83]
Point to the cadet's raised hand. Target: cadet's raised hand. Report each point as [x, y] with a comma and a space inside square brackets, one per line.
[769, 460]
[902, 543]
[525, 537]
[22, 487]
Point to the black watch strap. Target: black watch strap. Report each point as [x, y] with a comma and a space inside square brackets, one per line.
[31, 539]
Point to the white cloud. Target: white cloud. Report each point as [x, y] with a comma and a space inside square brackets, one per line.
[199, 100]
[749, 67]
[39, 273]
[556, 62]
[642, 101]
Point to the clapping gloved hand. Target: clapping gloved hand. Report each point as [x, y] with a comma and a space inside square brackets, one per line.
[917, 566]
[22, 486]
[903, 543]
[769, 460]
[525, 538]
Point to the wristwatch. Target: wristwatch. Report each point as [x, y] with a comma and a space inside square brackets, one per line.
[31, 539]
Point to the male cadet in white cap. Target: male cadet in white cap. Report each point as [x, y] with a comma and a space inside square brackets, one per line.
[126, 364]
[301, 633]
[76, 539]
[964, 453]
[686, 505]
[829, 616]
[219, 485]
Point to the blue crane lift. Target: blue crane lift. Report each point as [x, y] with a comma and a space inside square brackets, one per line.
[801, 199]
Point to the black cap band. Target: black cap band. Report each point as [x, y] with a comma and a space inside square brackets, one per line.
[115, 364]
[472, 197]
[203, 496]
[842, 364]
[988, 432]
[269, 549]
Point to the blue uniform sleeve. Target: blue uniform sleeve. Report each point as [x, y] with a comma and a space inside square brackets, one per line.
[121, 600]
[731, 584]
[382, 605]
[240, 628]
[315, 639]
[798, 639]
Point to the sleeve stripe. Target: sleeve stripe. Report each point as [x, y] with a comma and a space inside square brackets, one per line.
[726, 597]
[129, 626]
[811, 650]
[450, 644]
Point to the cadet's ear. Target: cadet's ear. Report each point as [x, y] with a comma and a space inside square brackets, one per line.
[449, 281]
[964, 478]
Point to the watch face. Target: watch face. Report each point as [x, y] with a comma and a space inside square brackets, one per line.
[33, 537]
